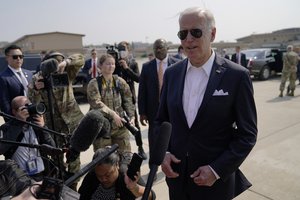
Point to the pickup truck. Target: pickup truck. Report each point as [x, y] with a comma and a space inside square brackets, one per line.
[264, 62]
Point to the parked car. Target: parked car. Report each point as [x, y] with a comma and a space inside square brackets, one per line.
[264, 62]
[31, 61]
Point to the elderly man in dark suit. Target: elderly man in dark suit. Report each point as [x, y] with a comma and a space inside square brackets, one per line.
[150, 84]
[13, 80]
[209, 102]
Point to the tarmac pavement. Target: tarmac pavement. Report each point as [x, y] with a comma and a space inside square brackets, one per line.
[273, 165]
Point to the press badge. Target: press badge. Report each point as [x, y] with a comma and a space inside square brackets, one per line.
[32, 166]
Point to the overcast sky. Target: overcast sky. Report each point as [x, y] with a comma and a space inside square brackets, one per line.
[109, 21]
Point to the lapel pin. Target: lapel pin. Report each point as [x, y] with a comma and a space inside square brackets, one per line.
[218, 71]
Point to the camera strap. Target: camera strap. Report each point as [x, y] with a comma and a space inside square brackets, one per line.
[116, 84]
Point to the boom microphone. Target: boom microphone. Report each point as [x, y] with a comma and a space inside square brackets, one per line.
[88, 130]
[161, 145]
[49, 150]
[49, 66]
[91, 165]
[158, 154]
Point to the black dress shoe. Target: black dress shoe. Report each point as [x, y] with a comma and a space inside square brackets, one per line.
[142, 153]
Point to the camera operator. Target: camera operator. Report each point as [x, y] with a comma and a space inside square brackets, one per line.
[63, 114]
[29, 159]
[128, 69]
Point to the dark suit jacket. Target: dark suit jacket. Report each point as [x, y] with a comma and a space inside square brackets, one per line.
[243, 59]
[211, 140]
[87, 66]
[148, 95]
[130, 75]
[10, 87]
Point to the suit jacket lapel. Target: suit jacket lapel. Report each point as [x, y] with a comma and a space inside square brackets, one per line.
[27, 76]
[215, 77]
[180, 81]
[16, 80]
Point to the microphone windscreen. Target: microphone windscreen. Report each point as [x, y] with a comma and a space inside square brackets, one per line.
[161, 144]
[49, 66]
[87, 130]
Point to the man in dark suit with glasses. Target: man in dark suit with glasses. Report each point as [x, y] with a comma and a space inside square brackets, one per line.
[209, 102]
[14, 79]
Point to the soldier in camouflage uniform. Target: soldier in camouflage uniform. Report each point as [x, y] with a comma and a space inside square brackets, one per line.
[289, 71]
[111, 94]
[66, 111]
[129, 71]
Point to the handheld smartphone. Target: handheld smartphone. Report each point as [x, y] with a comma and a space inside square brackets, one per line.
[134, 166]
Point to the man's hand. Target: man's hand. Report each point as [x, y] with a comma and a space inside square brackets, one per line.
[123, 63]
[63, 65]
[204, 176]
[39, 120]
[166, 165]
[39, 83]
[143, 120]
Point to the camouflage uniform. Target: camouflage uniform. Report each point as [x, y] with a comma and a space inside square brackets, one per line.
[289, 71]
[67, 114]
[114, 97]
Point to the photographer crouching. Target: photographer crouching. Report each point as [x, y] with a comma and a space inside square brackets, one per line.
[52, 85]
[29, 159]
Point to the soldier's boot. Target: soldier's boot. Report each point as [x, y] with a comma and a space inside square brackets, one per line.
[291, 93]
[288, 91]
[281, 94]
[142, 153]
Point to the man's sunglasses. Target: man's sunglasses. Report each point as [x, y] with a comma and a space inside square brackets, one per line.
[196, 33]
[15, 57]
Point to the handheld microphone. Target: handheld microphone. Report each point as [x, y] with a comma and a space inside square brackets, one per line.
[89, 128]
[157, 156]
[91, 165]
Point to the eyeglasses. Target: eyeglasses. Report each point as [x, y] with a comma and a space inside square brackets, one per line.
[196, 33]
[15, 57]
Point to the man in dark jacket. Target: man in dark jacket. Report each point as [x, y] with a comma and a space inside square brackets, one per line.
[29, 159]
[150, 85]
[209, 102]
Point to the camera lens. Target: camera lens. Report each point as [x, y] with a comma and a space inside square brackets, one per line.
[40, 108]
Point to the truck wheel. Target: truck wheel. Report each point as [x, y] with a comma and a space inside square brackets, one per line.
[265, 73]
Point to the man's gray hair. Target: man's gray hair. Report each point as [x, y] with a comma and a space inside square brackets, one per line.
[209, 17]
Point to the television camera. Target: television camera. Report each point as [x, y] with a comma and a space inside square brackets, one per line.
[115, 52]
